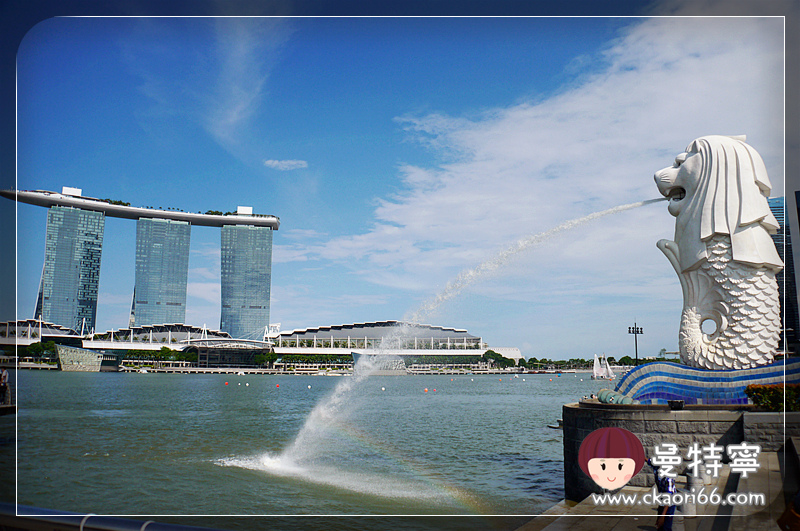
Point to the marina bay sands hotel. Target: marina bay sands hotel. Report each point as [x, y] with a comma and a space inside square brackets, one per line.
[73, 248]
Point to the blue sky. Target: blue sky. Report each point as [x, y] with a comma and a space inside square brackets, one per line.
[399, 152]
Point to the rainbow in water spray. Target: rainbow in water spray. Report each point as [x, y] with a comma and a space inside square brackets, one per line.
[328, 421]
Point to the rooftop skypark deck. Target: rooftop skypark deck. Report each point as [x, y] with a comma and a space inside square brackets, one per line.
[47, 199]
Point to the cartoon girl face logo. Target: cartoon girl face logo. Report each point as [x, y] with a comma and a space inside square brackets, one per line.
[611, 457]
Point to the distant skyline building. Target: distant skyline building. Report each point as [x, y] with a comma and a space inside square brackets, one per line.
[246, 271]
[787, 283]
[71, 271]
[162, 269]
[74, 242]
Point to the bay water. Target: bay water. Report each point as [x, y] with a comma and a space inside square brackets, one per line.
[136, 445]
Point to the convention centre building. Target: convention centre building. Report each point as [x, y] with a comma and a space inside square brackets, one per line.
[391, 338]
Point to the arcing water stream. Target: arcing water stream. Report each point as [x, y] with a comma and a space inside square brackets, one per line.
[470, 276]
[308, 457]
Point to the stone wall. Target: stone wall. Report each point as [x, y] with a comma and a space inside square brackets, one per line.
[654, 425]
[770, 430]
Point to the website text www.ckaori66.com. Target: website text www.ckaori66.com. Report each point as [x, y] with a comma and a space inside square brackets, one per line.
[696, 496]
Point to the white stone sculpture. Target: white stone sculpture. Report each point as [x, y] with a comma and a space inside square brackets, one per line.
[723, 254]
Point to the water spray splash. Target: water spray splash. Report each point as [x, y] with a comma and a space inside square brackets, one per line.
[329, 416]
[331, 449]
[307, 457]
[470, 276]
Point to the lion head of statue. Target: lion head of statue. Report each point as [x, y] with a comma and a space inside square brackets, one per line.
[719, 185]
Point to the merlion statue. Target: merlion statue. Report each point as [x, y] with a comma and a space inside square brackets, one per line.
[723, 254]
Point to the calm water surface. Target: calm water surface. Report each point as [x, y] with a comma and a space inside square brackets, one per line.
[159, 444]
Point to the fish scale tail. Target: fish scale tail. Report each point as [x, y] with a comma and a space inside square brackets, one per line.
[751, 316]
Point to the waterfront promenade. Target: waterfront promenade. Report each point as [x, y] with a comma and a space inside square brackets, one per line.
[776, 478]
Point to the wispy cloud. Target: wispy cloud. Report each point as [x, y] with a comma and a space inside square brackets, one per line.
[207, 252]
[240, 81]
[208, 291]
[302, 234]
[291, 253]
[206, 273]
[222, 87]
[286, 165]
[247, 50]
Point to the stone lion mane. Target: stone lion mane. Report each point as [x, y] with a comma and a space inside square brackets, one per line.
[730, 198]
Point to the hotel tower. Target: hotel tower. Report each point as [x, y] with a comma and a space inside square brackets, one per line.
[73, 248]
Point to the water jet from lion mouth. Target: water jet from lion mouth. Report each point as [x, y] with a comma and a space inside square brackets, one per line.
[676, 194]
[470, 276]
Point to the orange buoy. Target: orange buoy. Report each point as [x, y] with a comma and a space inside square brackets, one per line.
[426, 389]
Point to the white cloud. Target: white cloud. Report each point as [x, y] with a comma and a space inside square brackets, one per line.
[290, 253]
[207, 251]
[247, 50]
[286, 165]
[221, 88]
[207, 291]
[302, 234]
[523, 169]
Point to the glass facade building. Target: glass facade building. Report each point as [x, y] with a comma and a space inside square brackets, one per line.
[75, 224]
[246, 271]
[71, 272]
[162, 267]
[787, 286]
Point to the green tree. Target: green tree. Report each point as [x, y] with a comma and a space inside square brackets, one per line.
[498, 360]
[166, 354]
[190, 356]
[39, 351]
[266, 359]
[34, 350]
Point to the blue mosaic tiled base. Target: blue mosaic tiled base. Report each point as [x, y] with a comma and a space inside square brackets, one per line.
[656, 383]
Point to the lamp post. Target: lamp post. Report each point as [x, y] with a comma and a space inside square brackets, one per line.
[635, 330]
